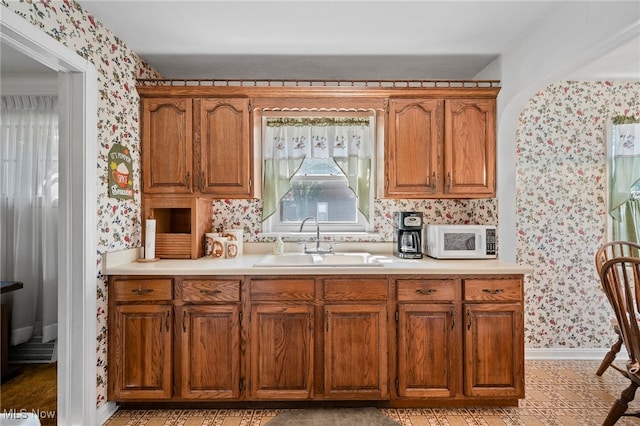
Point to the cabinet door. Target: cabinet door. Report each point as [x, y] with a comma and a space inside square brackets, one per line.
[167, 145]
[494, 350]
[429, 350]
[222, 126]
[355, 352]
[210, 352]
[470, 149]
[281, 351]
[141, 352]
[414, 139]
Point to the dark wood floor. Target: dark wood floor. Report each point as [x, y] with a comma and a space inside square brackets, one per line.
[33, 388]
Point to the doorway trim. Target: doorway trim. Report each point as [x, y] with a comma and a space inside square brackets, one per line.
[77, 249]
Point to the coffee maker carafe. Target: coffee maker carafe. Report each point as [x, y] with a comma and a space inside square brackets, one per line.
[407, 235]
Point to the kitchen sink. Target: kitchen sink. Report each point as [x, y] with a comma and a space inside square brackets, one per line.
[318, 260]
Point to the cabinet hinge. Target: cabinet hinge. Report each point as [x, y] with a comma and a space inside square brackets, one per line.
[397, 316]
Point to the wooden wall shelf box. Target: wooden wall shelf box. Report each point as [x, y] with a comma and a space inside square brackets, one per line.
[181, 223]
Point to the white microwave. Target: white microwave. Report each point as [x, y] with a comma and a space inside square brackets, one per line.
[461, 241]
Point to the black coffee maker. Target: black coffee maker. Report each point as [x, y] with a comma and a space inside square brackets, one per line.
[407, 235]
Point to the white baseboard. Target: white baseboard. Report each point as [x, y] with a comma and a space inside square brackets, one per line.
[49, 332]
[570, 353]
[21, 335]
[105, 411]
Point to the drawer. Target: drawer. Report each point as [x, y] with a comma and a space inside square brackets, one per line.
[500, 290]
[142, 290]
[429, 290]
[280, 290]
[355, 289]
[211, 290]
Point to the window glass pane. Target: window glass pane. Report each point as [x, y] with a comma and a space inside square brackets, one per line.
[319, 189]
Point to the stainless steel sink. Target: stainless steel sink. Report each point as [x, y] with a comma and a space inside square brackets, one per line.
[318, 260]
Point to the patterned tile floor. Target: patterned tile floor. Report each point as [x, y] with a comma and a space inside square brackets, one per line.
[557, 393]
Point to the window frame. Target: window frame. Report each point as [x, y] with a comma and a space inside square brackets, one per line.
[272, 225]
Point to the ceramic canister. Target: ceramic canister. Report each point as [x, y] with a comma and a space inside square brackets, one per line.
[236, 235]
[208, 243]
[231, 249]
[218, 250]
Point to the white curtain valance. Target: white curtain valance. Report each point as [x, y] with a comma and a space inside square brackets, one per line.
[317, 138]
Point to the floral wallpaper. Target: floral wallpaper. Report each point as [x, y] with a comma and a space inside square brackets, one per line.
[561, 211]
[117, 69]
[247, 214]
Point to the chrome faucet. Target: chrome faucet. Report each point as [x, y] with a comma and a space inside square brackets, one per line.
[317, 250]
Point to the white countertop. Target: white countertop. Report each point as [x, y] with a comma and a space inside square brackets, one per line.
[124, 263]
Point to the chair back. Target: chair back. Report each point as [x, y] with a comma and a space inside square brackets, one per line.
[620, 279]
[614, 249]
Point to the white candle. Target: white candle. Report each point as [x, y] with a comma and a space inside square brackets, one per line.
[150, 239]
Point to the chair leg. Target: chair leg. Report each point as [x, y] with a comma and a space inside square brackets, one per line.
[621, 405]
[610, 356]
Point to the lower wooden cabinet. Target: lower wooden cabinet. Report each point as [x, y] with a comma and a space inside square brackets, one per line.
[210, 352]
[494, 338]
[428, 350]
[140, 339]
[450, 340]
[281, 351]
[355, 352]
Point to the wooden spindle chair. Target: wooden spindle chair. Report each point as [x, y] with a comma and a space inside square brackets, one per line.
[620, 279]
[608, 251]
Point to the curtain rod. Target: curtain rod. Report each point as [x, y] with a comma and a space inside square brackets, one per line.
[317, 121]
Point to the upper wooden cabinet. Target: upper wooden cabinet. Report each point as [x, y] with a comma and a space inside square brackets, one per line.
[196, 146]
[470, 147]
[167, 146]
[222, 133]
[413, 149]
[440, 148]
[439, 138]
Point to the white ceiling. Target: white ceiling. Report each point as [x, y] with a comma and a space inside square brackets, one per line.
[308, 39]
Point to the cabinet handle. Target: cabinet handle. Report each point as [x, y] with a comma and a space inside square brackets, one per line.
[426, 292]
[493, 291]
[453, 320]
[434, 180]
[207, 292]
[184, 324]
[142, 291]
[468, 319]
[327, 319]
[187, 179]
[167, 320]
[449, 179]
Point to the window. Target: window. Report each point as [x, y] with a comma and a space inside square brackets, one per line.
[320, 167]
[624, 179]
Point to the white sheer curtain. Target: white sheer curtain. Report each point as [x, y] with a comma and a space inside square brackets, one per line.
[29, 212]
[288, 141]
[624, 199]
